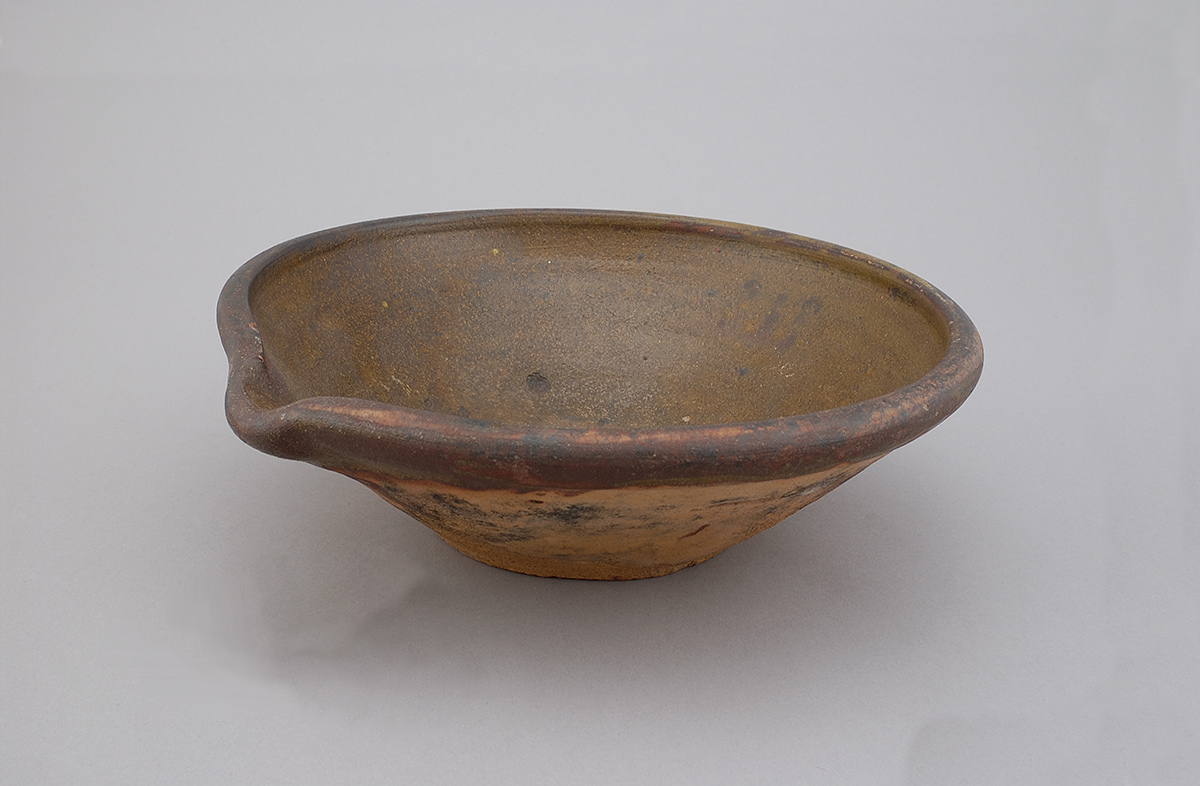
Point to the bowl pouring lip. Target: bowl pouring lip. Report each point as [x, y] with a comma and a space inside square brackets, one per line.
[365, 437]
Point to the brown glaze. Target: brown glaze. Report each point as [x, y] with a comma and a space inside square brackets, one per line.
[484, 371]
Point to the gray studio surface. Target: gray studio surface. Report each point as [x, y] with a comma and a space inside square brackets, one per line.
[1013, 598]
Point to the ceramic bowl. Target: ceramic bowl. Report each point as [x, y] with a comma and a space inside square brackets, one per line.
[587, 394]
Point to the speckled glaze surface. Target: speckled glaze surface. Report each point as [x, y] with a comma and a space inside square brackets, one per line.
[587, 394]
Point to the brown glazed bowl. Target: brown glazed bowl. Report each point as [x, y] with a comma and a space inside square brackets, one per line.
[587, 394]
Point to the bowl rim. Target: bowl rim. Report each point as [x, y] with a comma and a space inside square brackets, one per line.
[367, 437]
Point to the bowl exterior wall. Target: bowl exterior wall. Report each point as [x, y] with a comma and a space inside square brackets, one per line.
[624, 533]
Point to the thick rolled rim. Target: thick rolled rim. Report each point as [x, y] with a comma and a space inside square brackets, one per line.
[357, 435]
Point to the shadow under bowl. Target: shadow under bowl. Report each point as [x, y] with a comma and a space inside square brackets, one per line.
[587, 394]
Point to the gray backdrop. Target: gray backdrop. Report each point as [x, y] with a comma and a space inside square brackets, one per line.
[1014, 598]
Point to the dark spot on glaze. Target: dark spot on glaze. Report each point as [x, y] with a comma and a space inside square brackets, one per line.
[574, 513]
[458, 506]
[463, 413]
[785, 343]
[742, 371]
[752, 288]
[716, 503]
[537, 384]
[812, 304]
[763, 334]
[799, 491]
[711, 293]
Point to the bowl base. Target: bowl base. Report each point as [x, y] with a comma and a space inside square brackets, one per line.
[604, 534]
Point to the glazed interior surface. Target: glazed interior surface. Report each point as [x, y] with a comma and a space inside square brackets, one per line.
[582, 324]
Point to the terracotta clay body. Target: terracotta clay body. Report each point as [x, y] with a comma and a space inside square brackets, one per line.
[587, 394]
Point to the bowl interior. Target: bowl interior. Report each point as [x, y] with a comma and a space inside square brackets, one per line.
[588, 323]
